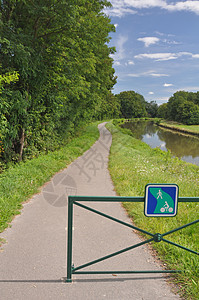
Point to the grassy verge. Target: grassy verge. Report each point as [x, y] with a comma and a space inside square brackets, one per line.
[20, 182]
[193, 129]
[132, 165]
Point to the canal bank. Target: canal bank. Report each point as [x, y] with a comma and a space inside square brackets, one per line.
[133, 164]
[189, 129]
[181, 145]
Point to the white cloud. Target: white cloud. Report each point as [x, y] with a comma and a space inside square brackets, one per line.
[151, 93]
[166, 35]
[119, 9]
[167, 84]
[144, 3]
[149, 40]
[123, 7]
[165, 56]
[159, 33]
[129, 63]
[169, 42]
[189, 88]
[195, 55]
[117, 63]
[116, 25]
[161, 100]
[150, 73]
[158, 75]
[192, 6]
[157, 56]
[120, 54]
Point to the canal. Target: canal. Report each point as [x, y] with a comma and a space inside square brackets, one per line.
[186, 147]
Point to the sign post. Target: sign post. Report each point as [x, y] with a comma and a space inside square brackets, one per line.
[161, 200]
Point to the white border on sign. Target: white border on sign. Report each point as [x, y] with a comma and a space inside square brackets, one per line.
[159, 186]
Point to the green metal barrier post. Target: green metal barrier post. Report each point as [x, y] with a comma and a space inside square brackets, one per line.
[157, 237]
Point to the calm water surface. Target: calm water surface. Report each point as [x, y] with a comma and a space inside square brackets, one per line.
[180, 145]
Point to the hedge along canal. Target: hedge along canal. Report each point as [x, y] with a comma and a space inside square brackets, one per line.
[183, 146]
[132, 165]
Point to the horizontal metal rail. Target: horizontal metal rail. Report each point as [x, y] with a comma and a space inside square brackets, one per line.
[126, 272]
[157, 237]
[123, 199]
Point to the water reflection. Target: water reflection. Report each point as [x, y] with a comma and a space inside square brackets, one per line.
[182, 146]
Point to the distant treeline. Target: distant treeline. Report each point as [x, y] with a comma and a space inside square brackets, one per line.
[55, 72]
[182, 107]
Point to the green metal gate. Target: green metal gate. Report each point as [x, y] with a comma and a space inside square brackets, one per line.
[157, 237]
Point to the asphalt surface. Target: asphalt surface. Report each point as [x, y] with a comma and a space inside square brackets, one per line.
[33, 261]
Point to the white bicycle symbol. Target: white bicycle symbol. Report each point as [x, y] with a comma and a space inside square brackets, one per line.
[166, 208]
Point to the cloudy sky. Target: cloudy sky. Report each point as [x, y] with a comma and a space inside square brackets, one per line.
[157, 43]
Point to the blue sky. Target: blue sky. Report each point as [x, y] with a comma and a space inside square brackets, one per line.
[157, 43]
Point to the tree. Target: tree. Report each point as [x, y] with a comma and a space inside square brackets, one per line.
[132, 104]
[5, 79]
[60, 50]
[163, 111]
[152, 109]
[189, 113]
[181, 107]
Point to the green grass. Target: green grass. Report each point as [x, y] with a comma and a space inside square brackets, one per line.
[20, 182]
[188, 128]
[132, 165]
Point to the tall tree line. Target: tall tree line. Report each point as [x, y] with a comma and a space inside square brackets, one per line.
[57, 57]
[182, 107]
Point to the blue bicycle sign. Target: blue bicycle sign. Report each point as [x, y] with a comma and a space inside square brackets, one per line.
[161, 200]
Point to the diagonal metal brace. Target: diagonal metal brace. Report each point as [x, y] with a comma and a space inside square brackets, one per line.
[179, 246]
[111, 255]
[112, 218]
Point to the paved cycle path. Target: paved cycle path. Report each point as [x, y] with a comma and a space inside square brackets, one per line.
[33, 262]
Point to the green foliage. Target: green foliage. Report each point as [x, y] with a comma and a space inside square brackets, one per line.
[163, 111]
[152, 109]
[182, 107]
[132, 104]
[7, 79]
[60, 51]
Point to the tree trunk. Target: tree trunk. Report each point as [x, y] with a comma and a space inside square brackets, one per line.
[22, 140]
